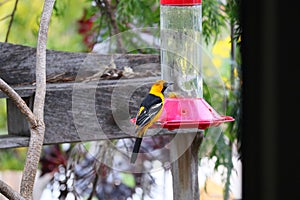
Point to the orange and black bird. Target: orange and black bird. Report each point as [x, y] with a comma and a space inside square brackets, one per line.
[149, 111]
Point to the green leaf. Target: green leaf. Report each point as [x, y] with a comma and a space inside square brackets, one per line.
[128, 179]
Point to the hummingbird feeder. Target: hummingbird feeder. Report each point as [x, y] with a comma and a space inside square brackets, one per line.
[181, 63]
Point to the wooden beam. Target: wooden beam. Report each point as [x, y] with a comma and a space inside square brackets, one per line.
[8, 141]
[80, 72]
[184, 169]
[14, 116]
[18, 61]
[60, 117]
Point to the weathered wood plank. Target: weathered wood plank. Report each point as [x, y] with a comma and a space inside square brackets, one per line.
[59, 113]
[92, 119]
[64, 69]
[85, 113]
[8, 141]
[17, 64]
[185, 169]
[16, 121]
[85, 109]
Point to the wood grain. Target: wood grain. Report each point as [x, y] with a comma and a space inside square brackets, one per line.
[76, 77]
[17, 64]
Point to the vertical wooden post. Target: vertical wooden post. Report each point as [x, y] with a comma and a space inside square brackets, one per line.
[17, 123]
[185, 169]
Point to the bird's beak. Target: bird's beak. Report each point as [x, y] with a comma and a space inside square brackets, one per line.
[167, 84]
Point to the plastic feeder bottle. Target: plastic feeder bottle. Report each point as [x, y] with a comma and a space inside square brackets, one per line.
[181, 28]
[180, 32]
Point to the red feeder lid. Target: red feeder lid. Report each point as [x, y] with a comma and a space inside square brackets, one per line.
[180, 2]
[188, 113]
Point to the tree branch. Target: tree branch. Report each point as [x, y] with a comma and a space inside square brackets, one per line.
[9, 193]
[37, 134]
[19, 102]
[7, 16]
[107, 9]
[11, 20]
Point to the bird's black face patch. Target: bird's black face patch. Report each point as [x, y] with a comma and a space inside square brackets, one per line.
[165, 86]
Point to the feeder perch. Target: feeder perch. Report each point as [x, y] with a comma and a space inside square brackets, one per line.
[181, 113]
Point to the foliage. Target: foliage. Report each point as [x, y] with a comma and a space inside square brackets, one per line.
[25, 24]
[233, 14]
[227, 16]
[25, 21]
[12, 159]
[213, 20]
[107, 18]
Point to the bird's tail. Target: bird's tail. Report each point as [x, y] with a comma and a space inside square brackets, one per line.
[136, 149]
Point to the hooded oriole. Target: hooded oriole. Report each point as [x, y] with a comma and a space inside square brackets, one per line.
[149, 111]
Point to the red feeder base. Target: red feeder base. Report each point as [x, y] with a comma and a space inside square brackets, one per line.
[188, 113]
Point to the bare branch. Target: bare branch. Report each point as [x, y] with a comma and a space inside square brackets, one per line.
[19, 102]
[11, 20]
[37, 134]
[39, 100]
[9, 193]
[7, 16]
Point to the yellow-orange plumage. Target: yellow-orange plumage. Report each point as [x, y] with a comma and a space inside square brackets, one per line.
[149, 111]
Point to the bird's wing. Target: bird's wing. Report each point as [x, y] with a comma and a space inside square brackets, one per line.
[146, 115]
